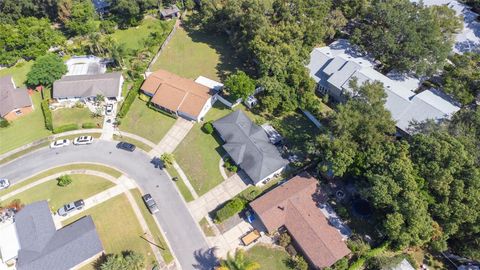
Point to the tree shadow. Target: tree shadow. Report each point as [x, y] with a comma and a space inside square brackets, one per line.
[206, 259]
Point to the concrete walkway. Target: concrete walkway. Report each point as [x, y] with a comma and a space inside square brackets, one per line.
[185, 180]
[173, 137]
[108, 120]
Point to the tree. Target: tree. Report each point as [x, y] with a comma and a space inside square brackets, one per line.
[240, 85]
[46, 70]
[238, 262]
[168, 159]
[405, 36]
[127, 260]
[461, 79]
[64, 10]
[130, 12]
[298, 263]
[64, 180]
[13, 10]
[82, 18]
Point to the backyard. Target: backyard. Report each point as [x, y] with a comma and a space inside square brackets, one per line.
[18, 72]
[268, 257]
[115, 218]
[78, 116]
[146, 122]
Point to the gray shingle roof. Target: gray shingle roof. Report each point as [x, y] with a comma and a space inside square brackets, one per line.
[12, 98]
[83, 86]
[172, 10]
[42, 247]
[248, 145]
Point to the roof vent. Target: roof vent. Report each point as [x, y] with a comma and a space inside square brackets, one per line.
[281, 207]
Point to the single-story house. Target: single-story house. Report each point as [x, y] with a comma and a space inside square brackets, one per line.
[87, 87]
[43, 247]
[249, 147]
[170, 12]
[14, 102]
[292, 206]
[333, 68]
[179, 96]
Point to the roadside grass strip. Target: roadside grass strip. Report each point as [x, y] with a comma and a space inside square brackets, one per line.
[187, 195]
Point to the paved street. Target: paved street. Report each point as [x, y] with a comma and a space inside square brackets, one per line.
[182, 231]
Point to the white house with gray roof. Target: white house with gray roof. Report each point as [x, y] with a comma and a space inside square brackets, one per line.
[334, 66]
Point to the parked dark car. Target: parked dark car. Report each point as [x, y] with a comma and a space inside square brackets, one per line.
[150, 203]
[126, 146]
[70, 207]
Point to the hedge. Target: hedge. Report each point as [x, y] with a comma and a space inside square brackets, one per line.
[89, 125]
[132, 94]
[232, 207]
[47, 115]
[65, 128]
[207, 128]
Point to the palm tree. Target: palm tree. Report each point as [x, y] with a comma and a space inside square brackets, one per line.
[238, 262]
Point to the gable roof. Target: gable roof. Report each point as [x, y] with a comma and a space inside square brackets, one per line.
[171, 10]
[83, 86]
[42, 247]
[248, 145]
[175, 93]
[12, 98]
[292, 205]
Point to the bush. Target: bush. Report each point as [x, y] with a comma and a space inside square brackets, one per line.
[132, 94]
[232, 207]
[108, 27]
[4, 123]
[207, 128]
[65, 128]
[143, 97]
[79, 104]
[284, 239]
[64, 180]
[167, 159]
[47, 115]
[298, 263]
[89, 125]
[251, 193]
[231, 166]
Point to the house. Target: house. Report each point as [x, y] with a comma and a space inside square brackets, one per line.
[14, 102]
[292, 206]
[249, 147]
[179, 96]
[87, 87]
[40, 246]
[333, 68]
[170, 12]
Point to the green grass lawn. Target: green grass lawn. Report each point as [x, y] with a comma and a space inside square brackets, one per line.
[18, 72]
[82, 187]
[78, 116]
[268, 257]
[206, 228]
[25, 129]
[79, 166]
[146, 122]
[192, 53]
[152, 226]
[187, 195]
[118, 228]
[133, 37]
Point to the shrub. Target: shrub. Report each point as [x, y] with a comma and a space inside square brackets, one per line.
[47, 115]
[89, 125]
[298, 263]
[284, 239]
[207, 128]
[79, 104]
[232, 207]
[132, 94]
[65, 128]
[64, 180]
[4, 123]
[143, 97]
[167, 159]
[108, 27]
[251, 193]
[231, 166]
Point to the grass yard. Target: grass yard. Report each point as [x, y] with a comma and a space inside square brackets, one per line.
[133, 37]
[118, 228]
[187, 195]
[153, 227]
[79, 166]
[82, 187]
[78, 116]
[206, 228]
[25, 129]
[146, 122]
[192, 53]
[268, 257]
[18, 72]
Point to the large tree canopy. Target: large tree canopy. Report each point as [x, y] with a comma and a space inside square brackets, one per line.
[81, 17]
[461, 78]
[46, 69]
[406, 36]
[240, 85]
[12, 10]
[130, 12]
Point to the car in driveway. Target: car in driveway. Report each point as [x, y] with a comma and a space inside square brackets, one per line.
[71, 207]
[4, 183]
[83, 140]
[109, 109]
[126, 146]
[150, 203]
[60, 143]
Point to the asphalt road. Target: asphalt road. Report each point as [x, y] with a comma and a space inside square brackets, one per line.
[185, 237]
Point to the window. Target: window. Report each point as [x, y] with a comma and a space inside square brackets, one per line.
[18, 112]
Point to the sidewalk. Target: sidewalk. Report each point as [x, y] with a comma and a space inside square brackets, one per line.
[173, 137]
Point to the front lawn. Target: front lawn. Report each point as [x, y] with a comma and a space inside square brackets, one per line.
[192, 53]
[118, 228]
[18, 72]
[268, 257]
[25, 129]
[82, 187]
[66, 116]
[146, 122]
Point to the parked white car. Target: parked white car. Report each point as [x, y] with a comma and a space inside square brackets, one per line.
[4, 183]
[60, 143]
[109, 109]
[83, 140]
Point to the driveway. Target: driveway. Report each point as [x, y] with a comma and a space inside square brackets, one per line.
[181, 230]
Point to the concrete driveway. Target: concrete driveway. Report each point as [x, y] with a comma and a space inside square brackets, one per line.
[187, 241]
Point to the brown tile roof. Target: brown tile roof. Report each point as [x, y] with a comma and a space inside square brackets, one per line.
[292, 205]
[176, 93]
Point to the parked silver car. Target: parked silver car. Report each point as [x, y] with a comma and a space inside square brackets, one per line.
[4, 183]
[71, 207]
